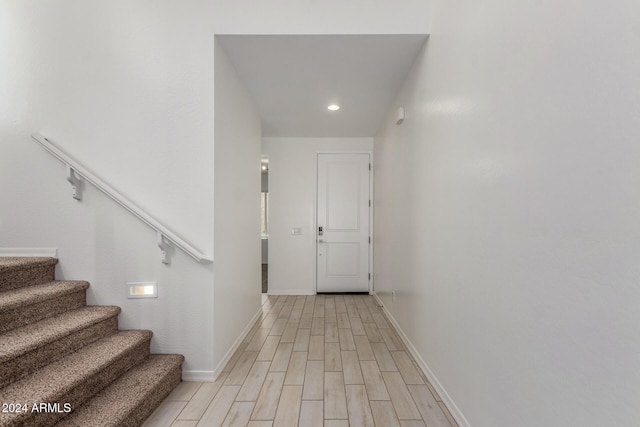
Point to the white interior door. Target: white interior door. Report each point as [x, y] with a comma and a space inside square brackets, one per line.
[343, 241]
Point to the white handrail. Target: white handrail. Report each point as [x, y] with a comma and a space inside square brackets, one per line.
[75, 168]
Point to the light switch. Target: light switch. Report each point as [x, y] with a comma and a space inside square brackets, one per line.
[296, 231]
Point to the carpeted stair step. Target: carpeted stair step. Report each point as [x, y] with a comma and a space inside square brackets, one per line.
[29, 304]
[33, 346]
[74, 379]
[18, 272]
[129, 400]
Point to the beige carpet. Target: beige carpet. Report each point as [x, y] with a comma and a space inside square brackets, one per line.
[65, 363]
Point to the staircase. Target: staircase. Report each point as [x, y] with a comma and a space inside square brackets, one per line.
[65, 363]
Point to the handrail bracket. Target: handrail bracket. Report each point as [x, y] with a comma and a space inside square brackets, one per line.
[76, 183]
[164, 247]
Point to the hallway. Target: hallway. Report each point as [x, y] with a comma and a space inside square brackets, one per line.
[325, 360]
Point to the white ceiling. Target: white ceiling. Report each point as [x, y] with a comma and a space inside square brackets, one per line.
[292, 80]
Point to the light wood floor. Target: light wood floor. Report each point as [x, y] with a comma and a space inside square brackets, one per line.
[325, 360]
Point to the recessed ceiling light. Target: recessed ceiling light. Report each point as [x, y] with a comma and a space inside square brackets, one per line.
[333, 107]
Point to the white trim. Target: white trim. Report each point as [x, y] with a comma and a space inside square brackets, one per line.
[74, 167]
[198, 376]
[218, 370]
[285, 292]
[446, 399]
[29, 252]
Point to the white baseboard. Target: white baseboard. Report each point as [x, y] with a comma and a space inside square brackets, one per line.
[280, 292]
[218, 370]
[446, 399]
[198, 376]
[29, 252]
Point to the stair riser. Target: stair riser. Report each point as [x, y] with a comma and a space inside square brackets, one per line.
[83, 391]
[25, 315]
[131, 398]
[137, 417]
[18, 278]
[142, 412]
[14, 369]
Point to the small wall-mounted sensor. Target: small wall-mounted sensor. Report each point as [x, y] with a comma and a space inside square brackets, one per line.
[142, 290]
[400, 115]
[296, 231]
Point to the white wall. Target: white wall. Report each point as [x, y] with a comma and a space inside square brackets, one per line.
[127, 90]
[265, 242]
[292, 203]
[237, 209]
[320, 17]
[506, 211]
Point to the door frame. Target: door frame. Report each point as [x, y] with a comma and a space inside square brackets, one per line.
[315, 216]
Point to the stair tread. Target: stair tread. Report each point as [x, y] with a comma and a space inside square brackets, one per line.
[58, 352]
[52, 381]
[16, 298]
[29, 337]
[21, 263]
[116, 403]
[17, 272]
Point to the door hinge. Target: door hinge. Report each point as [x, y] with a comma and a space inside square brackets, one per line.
[369, 166]
[369, 239]
[369, 203]
[369, 276]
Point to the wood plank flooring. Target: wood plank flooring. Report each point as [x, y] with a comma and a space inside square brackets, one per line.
[324, 360]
